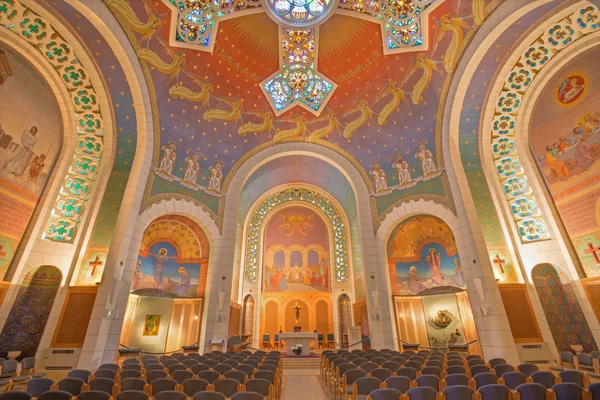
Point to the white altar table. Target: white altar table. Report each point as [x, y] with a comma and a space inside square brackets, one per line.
[293, 338]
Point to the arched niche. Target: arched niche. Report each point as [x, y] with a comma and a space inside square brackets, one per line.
[562, 309]
[428, 285]
[270, 324]
[289, 313]
[29, 314]
[248, 316]
[31, 136]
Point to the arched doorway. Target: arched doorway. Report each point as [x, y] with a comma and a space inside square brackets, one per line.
[168, 286]
[562, 309]
[28, 317]
[248, 317]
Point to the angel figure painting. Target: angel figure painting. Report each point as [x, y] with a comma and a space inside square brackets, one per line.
[296, 257]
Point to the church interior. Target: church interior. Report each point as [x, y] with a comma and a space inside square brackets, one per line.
[275, 199]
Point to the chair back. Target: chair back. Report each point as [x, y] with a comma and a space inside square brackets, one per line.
[133, 384]
[106, 374]
[381, 373]
[268, 375]
[226, 386]
[257, 385]
[432, 371]
[196, 369]
[494, 392]
[222, 368]
[94, 395]
[111, 366]
[400, 383]
[422, 393]
[133, 395]
[181, 376]
[364, 386]
[368, 366]
[497, 361]
[431, 381]
[193, 386]
[106, 385]
[15, 395]
[527, 369]
[567, 391]
[478, 369]
[392, 365]
[545, 378]
[514, 379]
[239, 376]
[567, 359]
[572, 376]
[456, 380]
[163, 385]
[459, 392]
[532, 391]
[456, 369]
[153, 375]
[408, 372]
[385, 394]
[247, 396]
[170, 395]
[82, 374]
[37, 386]
[209, 376]
[485, 378]
[413, 364]
[501, 369]
[55, 395]
[70, 385]
[209, 396]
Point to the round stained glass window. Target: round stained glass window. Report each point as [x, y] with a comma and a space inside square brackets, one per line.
[300, 12]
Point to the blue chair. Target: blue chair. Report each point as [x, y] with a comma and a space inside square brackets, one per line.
[94, 395]
[37, 386]
[514, 379]
[527, 369]
[432, 371]
[400, 383]
[496, 361]
[15, 395]
[170, 395]
[501, 369]
[193, 386]
[594, 389]
[458, 392]
[408, 372]
[494, 392]
[485, 378]
[546, 378]
[572, 376]
[456, 380]
[385, 394]
[422, 393]
[568, 391]
[532, 391]
[55, 395]
[431, 381]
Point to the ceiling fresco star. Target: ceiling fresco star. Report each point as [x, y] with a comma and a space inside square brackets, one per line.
[228, 80]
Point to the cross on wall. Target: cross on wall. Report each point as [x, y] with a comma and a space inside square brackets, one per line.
[95, 264]
[593, 251]
[500, 263]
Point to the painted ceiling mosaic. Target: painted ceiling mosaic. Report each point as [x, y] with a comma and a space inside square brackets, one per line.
[214, 110]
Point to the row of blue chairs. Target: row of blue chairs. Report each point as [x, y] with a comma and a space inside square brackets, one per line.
[130, 395]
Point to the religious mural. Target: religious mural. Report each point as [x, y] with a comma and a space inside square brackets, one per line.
[568, 154]
[215, 112]
[296, 252]
[422, 257]
[173, 259]
[29, 145]
[27, 319]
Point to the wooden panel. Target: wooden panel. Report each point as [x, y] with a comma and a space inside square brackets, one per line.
[235, 319]
[592, 289]
[184, 324]
[410, 320]
[361, 316]
[466, 315]
[519, 311]
[132, 303]
[75, 317]
[3, 290]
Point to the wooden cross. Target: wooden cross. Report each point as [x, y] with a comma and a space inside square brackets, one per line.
[592, 250]
[500, 263]
[95, 264]
[2, 253]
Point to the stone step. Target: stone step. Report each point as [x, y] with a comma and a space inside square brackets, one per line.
[301, 363]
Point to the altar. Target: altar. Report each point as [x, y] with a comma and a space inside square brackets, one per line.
[292, 339]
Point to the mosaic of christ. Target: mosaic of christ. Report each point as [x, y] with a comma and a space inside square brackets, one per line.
[296, 252]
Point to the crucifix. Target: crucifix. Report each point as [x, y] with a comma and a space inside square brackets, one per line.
[95, 264]
[500, 263]
[592, 250]
[297, 308]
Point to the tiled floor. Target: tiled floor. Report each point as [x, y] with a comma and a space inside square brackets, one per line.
[302, 384]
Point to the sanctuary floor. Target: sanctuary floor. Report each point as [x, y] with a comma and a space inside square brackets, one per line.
[302, 384]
